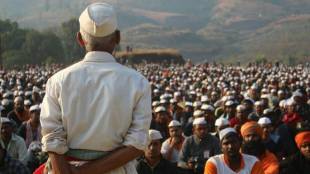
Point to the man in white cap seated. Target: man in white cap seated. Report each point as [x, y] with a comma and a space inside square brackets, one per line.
[172, 146]
[19, 114]
[240, 118]
[96, 108]
[31, 129]
[9, 164]
[209, 113]
[232, 161]
[198, 148]
[153, 162]
[27, 104]
[161, 120]
[188, 128]
[302, 108]
[272, 141]
[155, 104]
[14, 144]
[281, 95]
[5, 103]
[229, 110]
[258, 111]
[175, 110]
[220, 123]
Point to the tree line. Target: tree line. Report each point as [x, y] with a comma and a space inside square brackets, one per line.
[20, 46]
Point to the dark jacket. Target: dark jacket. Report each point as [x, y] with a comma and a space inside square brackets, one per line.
[296, 164]
[163, 167]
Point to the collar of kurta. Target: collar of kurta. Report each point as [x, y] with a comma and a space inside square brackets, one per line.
[14, 137]
[198, 140]
[99, 56]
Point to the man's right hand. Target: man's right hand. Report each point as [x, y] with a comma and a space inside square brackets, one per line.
[59, 164]
[190, 165]
[175, 141]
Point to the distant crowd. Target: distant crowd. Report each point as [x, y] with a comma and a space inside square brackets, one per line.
[206, 119]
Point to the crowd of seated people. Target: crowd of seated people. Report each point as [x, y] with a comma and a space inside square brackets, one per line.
[206, 119]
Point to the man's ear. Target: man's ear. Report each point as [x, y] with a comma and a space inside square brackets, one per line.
[79, 39]
[117, 37]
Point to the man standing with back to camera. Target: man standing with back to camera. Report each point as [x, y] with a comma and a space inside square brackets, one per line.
[96, 113]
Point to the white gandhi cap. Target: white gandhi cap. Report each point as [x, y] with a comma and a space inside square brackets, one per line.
[98, 20]
[221, 122]
[34, 108]
[154, 135]
[225, 132]
[174, 123]
[264, 120]
[199, 121]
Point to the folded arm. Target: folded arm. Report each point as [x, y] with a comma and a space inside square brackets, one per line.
[116, 159]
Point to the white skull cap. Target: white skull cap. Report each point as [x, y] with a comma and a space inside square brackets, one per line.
[174, 123]
[98, 20]
[155, 135]
[225, 132]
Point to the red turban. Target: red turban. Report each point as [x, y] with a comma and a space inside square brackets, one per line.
[251, 127]
[302, 137]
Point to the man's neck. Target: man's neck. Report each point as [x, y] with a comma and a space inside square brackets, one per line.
[19, 112]
[153, 161]
[102, 50]
[34, 124]
[234, 162]
[7, 140]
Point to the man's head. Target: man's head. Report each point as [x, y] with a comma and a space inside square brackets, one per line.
[200, 128]
[27, 104]
[161, 114]
[189, 107]
[259, 107]
[209, 111]
[291, 106]
[265, 101]
[230, 107]
[98, 28]
[281, 95]
[175, 129]
[153, 150]
[253, 92]
[297, 97]
[35, 96]
[173, 104]
[302, 140]
[35, 113]
[241, 113]
[248, 103]
[230, 142]
[221, 123]
[214, 96]
[252, 139]
[265, 124]
[19, 104]
[251, 131]
[7, 128]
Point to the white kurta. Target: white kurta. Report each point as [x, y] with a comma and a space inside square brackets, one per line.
[96, 104]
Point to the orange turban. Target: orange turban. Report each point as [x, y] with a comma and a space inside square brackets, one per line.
[302, 137]
[250, 127]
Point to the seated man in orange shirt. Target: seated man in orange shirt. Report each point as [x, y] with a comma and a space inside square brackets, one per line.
[253, 145]
[232, 161]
